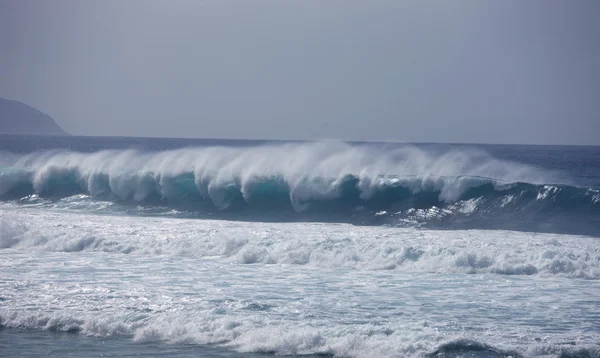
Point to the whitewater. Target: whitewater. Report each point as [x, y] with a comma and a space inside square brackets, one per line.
[227, 249]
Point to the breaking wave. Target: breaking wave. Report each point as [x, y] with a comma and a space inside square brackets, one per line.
[324, 181]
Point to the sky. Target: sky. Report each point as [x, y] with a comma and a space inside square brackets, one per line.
[467, 71]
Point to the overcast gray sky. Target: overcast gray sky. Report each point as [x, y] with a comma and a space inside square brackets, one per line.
[435, 71]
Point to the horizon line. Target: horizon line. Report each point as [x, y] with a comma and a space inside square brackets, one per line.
[350, 141]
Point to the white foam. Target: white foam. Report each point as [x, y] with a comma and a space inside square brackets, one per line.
[250, 334]
[297, 288]
[318, 245]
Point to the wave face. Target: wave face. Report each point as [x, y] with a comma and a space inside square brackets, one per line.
[324, 181]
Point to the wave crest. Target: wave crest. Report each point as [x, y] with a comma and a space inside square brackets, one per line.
[277, 181]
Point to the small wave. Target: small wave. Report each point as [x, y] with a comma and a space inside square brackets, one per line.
[468, 348]
[89, 326]
[254, 335]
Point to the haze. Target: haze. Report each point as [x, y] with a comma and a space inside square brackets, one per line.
[423, 71]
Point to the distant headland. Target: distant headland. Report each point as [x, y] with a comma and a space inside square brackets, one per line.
[19, 118]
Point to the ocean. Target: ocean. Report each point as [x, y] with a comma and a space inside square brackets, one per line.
[122, 247]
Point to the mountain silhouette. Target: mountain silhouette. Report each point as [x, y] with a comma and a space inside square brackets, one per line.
[18, 118]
